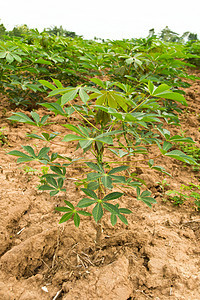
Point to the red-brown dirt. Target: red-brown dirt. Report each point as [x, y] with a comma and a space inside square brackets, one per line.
[156, 257]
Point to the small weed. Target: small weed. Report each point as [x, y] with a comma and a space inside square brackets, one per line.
[3, 138]
[163, 185]
[178, 198]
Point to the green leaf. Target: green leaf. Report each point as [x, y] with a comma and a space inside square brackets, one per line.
[94, 166]
[85, 202]
[47, 84]
[21, 117]
[97, 212]
[84, 213]
[74, 128]
[57, 83]
[68, 96]
[52, 181]
[43, 152]
[63, 209]
[118, 169]
[66, 217]
[111, 208]
[83, 95]
[18, 153]
[113, 219]
[90, 193]
[125, 211]
[72, 137]
[76, 220]
[93, 176]
[35, 116]
[123, 219]
[179, 155]
[86, 143]
[35, 136]
[178, 138]
[112, 196]
[30, 150]
[69, 204]
[107, 181]
[150, 87]
[93, 185]
[45, 187]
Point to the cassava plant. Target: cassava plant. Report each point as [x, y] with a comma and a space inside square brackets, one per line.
[109, 122]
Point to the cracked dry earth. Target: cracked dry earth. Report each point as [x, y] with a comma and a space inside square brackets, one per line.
[156, 257]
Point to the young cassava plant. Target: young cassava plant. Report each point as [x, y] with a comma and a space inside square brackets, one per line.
[108, 123]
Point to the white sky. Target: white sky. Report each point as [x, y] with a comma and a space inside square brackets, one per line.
[112, 19]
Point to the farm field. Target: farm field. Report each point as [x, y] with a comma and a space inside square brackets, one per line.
[156, 255]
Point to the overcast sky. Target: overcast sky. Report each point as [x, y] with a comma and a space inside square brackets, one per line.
[112, 19]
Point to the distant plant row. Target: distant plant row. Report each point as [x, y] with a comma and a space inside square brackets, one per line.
[27, 56]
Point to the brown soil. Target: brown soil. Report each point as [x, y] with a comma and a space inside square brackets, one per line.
[156, 257]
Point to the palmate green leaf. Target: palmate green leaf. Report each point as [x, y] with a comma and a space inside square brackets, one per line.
[57, 83]
[99, 82]
[84, 213]
[151, 87]
[118, 179]
[45, 187]
[93, 176]
[52, 181]
[86, 143]
[106, 139]
[53, 193]
[56, 170]
[85, 202]
[47, 84]
[68, 96]
[30, 150]
[74, 129]
[43, 152]
[178, 138]
[179, 155]
[97, 212]
[25, 159]
[125, 211]
[118, 169]
[107, 181]
[55, 107]
[63, 209]
[35, 117]
[19, 153]
[57, 91]
[21, 117]
[90, 193]
[72, 137]
[113, 219]
[83, 95]
[112, 196]
[94, 166]
[93, 185]
[69, 204]
[66, 217]
[76, 220]
[3, 54]
[9, 57]
[35, 136]
[123, 219]
[111, 208]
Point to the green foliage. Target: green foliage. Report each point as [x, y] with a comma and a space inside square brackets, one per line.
[123, 116]
[28, 58]
[108, 118]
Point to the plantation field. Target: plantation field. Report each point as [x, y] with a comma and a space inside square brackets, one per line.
[122, 109]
